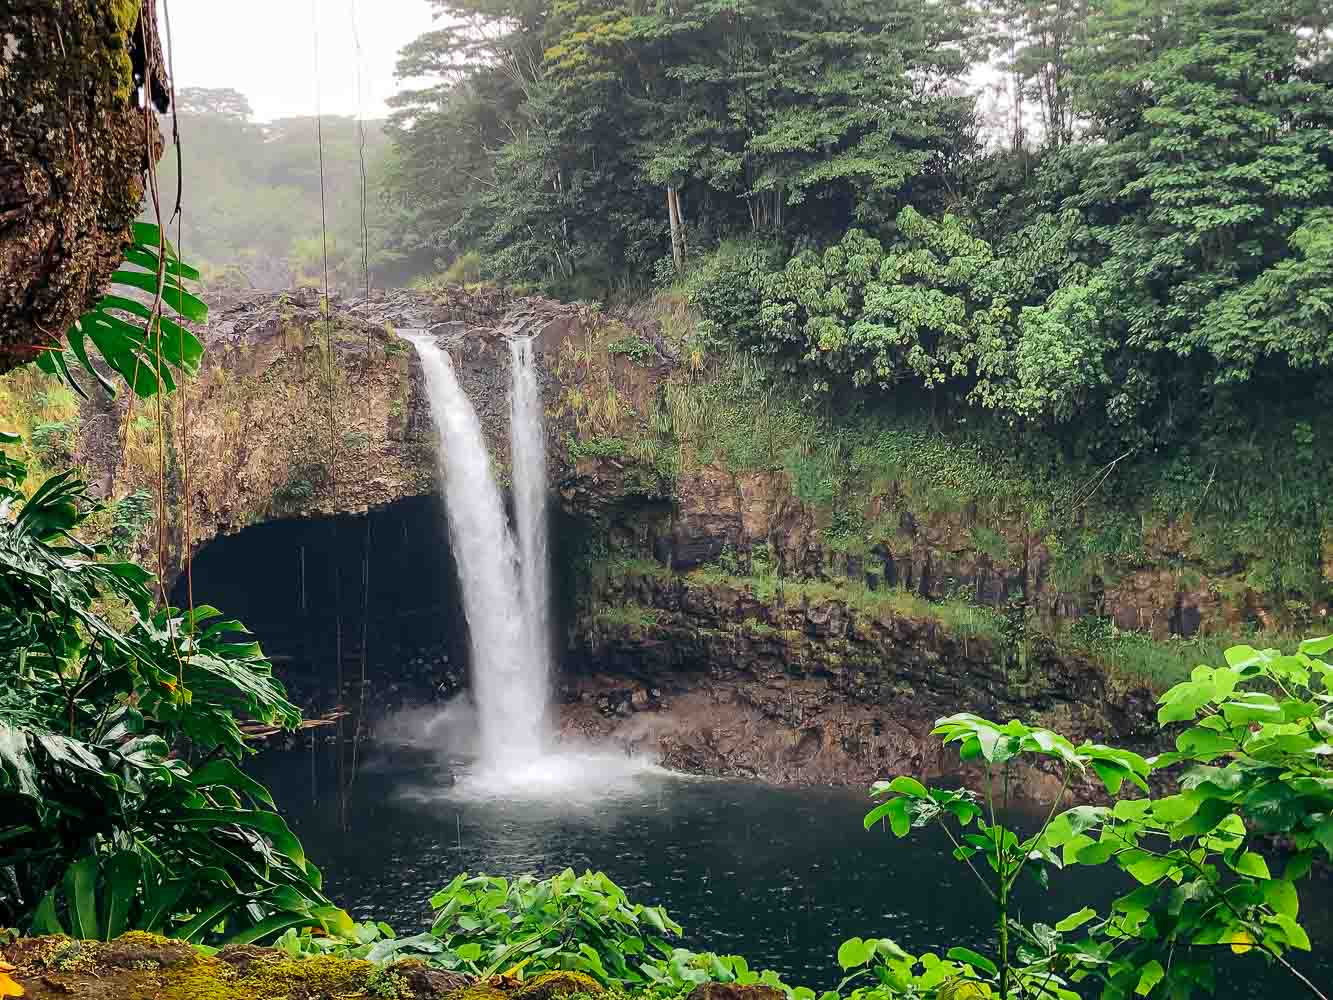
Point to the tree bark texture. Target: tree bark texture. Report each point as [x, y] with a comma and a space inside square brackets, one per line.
[677, 248]
[74, 145]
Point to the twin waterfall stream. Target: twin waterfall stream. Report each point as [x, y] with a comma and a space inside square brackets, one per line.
[505, 574]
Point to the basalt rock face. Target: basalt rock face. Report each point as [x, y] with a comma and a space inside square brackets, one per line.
[293, 416]
[719, 681]
[716, 510]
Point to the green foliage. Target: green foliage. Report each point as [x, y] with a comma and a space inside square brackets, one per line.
[680, 970]
[54, 441]
[1210, 245]
[583, 923]
[627, 616]
[105, 825]
[633, 347]
[1254, 766]
[142, 353]
[130, 515]
[104, 828]
[553, 137]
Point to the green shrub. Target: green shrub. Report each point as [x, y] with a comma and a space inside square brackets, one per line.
[584, 923]
[727, 289]
[633, 347]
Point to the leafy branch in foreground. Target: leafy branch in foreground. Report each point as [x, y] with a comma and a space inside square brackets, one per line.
[1255, 766]
[106, 826]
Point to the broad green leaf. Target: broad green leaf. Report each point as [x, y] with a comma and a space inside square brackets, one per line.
[1282, 897]
[909, 786]
[81, 897]
[1112, 775]
[1076, 920]
[1151, 975]
[1317, 647]
[1296, 935]
[123, 872]
[1150, 869]
[855, 952]
[1209, 813]
[974, 959]
[45, 919]
[1252, 864]
[1252, 706]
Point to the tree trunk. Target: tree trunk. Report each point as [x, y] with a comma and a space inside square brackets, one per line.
[680, 225]
[73, 150]
[677, 238]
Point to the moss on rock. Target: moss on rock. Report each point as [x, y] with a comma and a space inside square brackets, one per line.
[292, 979]
[478, 991]
[560, 983]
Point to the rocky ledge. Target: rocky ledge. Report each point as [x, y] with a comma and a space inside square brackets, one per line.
[814, 691]
[299, 415]
[140, 966]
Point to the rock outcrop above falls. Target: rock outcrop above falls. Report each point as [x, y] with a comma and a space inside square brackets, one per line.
[296, 416]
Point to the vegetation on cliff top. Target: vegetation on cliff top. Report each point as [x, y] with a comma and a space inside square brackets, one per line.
[1095, 313]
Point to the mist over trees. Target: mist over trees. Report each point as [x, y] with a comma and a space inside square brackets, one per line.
[251, 211]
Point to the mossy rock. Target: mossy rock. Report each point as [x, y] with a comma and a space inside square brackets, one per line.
[478, 991]
[144, 951]
[735, 991]
[425, 981]
[560, 983]
[142, 966]
[278, 979]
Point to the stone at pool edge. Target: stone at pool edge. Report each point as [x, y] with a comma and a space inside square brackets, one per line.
[735, 991]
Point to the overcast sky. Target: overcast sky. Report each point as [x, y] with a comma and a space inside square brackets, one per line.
[266, 50]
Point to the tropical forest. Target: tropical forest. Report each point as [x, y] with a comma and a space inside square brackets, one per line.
[666, 500]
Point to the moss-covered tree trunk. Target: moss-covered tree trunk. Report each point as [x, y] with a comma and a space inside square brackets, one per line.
[73, 151]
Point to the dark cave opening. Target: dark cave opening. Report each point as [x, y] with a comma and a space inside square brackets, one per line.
[376, 591]
[328, 596]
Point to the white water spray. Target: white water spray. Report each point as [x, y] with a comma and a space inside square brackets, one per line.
[509, 681]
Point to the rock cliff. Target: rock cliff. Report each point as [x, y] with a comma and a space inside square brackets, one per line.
[719, 614]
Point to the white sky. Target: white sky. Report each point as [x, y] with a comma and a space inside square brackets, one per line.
[266, 50]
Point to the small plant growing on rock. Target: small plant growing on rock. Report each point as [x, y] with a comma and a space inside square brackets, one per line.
[388, 985]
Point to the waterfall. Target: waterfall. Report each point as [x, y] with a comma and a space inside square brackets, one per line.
[508, 646]
[506, 583]
[527, 452]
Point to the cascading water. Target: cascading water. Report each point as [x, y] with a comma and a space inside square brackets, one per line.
[527, 450]
[509, 665]
[505, 578]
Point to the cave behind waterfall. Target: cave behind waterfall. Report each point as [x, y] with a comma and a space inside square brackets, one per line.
[383, 584]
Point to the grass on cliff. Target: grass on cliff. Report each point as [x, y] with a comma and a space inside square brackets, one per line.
[1160, 663]
[959, 617]
[1239, 517]
[1136, 657]
[45, 414]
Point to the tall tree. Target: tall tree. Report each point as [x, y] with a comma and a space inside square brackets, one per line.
[1213, 192]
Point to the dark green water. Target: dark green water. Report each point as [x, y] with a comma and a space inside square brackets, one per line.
[780, 876]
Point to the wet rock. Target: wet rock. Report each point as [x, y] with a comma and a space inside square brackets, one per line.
[138, 950]
[549, 985]
[427, 983]
[735, 991]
